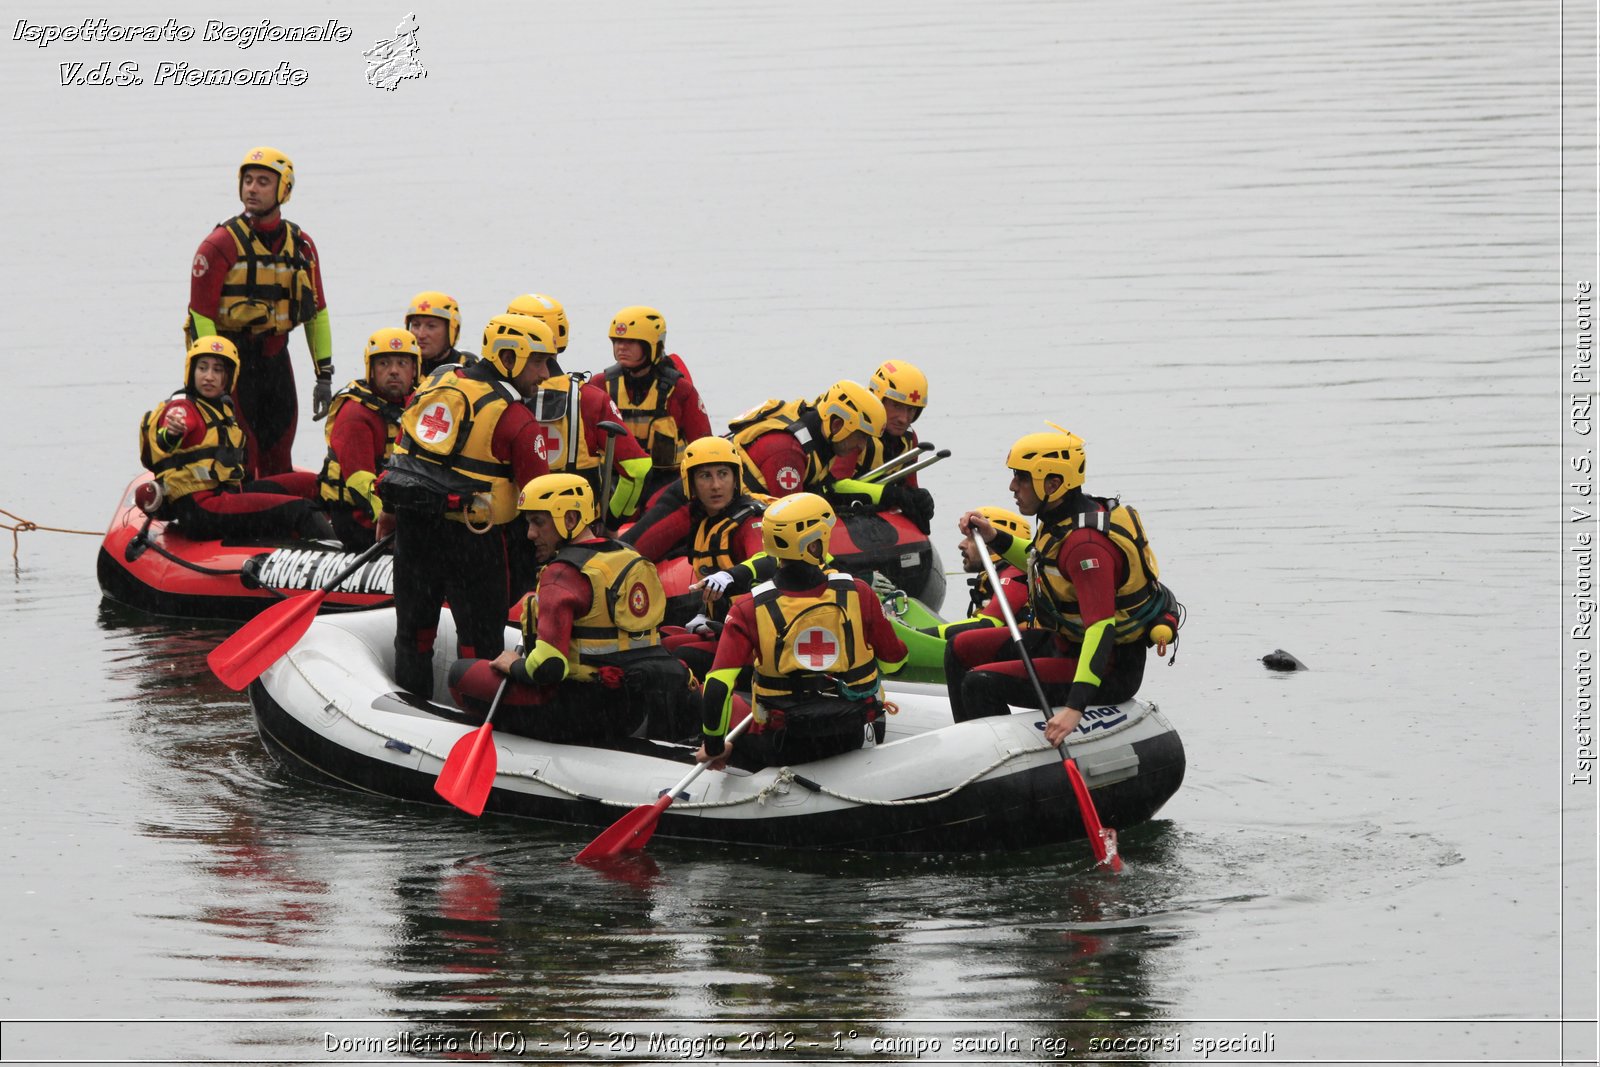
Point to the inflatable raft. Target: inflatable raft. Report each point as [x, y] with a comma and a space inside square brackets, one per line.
[149, 564]
[329, 711]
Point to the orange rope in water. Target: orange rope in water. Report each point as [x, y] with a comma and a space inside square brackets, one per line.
[24, 525]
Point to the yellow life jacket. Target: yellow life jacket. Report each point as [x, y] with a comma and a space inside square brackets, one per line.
[1140, 599]
[794, 417]
[711, 542]
[626, 603]
[806, 645]
[216, 461]
[265, 291]
[647, 418]
[558, 407]
[330, 480]
[446, 439]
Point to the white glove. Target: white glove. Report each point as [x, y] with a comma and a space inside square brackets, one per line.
[881, 584]
[699, 625]
[716, 584]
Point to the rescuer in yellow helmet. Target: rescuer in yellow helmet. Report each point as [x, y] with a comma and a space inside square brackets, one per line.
[255, 278]
[1095, 597]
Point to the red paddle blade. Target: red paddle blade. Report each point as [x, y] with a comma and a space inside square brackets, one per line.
[262, 641]
[627, 834]
[1102, 839]
[469, 771]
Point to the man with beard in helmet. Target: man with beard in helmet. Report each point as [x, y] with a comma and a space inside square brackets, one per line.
[196, 450]
[256, 278]
[659, 403]
[434, 318]
[1096, 600]
[361, 428]
[450, 490]
[591, 668]
[983, 609]
[814, 640]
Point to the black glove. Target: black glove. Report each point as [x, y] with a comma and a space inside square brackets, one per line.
[915, 504]
[321, 398]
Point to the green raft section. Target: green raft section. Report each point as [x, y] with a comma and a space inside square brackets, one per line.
[926, 661]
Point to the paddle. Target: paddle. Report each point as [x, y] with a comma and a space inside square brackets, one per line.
[888, 465]
[611, 429]
[469, 770]
[629, 833]
[259, 643]
[1103, 839]
[906, 472]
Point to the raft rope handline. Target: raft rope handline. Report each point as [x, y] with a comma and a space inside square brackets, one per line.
[23, 526]
[779, 784]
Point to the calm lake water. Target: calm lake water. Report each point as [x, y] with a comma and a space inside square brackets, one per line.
[1293, 270]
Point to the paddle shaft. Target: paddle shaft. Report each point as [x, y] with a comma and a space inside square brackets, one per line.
[906, 472]
[1101, 840]
[469, 770]
[903, 458]
[631, 832]
[259, 643]
[606, 474]
[356, 564]
[1016, 635]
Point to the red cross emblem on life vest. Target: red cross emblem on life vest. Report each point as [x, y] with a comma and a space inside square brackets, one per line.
[435, 423]
[817, 649]
[639, 600]
[788, 479]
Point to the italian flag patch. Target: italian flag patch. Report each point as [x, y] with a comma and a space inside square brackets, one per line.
[1089, 564]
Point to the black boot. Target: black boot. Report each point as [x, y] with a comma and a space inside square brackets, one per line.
[413, 672]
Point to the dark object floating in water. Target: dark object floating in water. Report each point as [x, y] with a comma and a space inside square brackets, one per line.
[1279, 660]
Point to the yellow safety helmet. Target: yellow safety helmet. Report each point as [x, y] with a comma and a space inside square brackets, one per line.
[856, 407]
[706, 452]
[899, 381]
[557, 494]
[510, 341]
[639, 323]
[1009, 521]
[798, 527]
[392, 341]
[271, 159]
[1040, 455]
[433, 304]
[214, 345]
[546, 308]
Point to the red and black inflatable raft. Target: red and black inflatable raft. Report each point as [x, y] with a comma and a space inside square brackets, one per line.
[149, 564]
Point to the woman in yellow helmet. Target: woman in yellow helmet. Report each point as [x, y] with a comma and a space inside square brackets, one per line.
[719, 527]
[196, 449]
